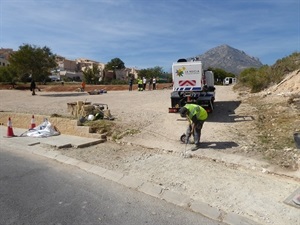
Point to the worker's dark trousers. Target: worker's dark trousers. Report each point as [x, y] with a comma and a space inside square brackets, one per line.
[197, 132]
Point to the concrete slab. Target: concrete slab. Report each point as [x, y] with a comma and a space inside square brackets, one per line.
[294, 199]
[72, 161]
[176, 198]
[59, 141]
[131, 182]
[151, 189]
[112, 175]
[206, 210]
[84, 165]
[50, 154]
[235, 219]
[62, 158]
[97, 170]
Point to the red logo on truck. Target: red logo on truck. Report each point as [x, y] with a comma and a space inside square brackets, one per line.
[187, 83]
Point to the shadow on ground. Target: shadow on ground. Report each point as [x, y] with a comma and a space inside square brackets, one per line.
[224, 112]
[218, 145]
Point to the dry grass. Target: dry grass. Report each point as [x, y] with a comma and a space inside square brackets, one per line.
[277, 119]
[112, 129]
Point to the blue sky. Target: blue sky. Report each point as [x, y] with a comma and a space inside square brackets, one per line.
[149, 33]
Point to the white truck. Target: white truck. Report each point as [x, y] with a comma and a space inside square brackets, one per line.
[191, 84]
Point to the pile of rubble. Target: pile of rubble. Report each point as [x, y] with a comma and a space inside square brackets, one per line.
[89, 111]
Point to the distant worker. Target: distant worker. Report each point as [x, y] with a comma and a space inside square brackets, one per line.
[144, 83]
[82, 86]
[150, 84]
[196, 116]
[130, 83]
[32, 87]
[140, 85]
[154, 83]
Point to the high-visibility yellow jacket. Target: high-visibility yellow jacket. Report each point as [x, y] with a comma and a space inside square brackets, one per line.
[197, 110]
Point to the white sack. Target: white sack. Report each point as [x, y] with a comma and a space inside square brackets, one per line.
[44, 130]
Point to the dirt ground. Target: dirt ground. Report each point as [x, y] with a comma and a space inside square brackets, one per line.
[238, 167]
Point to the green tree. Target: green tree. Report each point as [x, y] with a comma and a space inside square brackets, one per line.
[115, 64]
[32, 61]
[151, 72]
[7, 75]
[91, 75]
[256, 79]
[165, 78]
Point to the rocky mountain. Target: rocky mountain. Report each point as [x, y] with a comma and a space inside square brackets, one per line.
[229, 59]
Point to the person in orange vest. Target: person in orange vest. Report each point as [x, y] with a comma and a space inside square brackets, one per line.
[196, 116]
[82, 86]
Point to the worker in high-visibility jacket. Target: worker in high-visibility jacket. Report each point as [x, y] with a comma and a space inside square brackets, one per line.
[196, 116]
[140, 84]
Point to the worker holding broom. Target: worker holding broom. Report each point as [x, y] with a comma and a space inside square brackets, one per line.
[196, 116]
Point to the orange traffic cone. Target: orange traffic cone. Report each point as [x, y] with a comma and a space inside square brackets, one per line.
[10, 132]
[32, 122]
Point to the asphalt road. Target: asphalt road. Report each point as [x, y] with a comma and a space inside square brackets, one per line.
[37, 190]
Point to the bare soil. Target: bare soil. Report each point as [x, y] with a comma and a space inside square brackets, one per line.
[248, 163]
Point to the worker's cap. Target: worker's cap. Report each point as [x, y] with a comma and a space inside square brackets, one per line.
[183, 111]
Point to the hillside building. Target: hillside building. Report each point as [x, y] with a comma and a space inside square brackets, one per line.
[73, 69]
